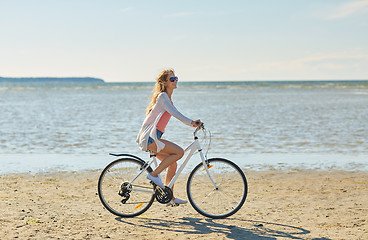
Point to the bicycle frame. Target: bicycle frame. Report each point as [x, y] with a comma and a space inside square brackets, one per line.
[193, 147]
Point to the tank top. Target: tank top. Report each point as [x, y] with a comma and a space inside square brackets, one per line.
[164, 120]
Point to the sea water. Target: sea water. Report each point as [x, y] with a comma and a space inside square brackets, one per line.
[73, 126]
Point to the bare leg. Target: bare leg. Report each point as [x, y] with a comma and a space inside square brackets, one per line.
[172, 152]
[171, 171]
[168, 156]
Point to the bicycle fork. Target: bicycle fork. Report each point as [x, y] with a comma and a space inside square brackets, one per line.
[205, 163]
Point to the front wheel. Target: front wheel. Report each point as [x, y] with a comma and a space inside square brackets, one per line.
[223, 196]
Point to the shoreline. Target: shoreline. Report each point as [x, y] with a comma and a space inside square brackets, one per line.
[294, 204]
[50, 163]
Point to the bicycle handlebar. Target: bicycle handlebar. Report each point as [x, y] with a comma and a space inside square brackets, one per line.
[198, 128]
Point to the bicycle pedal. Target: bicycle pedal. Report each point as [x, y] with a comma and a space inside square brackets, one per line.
[172, 204]
[154, 184]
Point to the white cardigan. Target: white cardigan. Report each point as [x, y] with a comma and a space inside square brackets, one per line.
[148, 128]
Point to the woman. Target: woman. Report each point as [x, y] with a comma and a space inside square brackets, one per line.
[158, 114]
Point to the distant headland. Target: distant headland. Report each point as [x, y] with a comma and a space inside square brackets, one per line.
[52, 79]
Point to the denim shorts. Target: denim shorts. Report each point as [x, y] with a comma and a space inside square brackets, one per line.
[159, 135]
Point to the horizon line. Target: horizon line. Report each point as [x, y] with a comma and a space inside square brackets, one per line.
[298, 80]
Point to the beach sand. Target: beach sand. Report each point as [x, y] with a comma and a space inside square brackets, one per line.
[295, 204]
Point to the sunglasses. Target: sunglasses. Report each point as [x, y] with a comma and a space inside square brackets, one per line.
[173, 79]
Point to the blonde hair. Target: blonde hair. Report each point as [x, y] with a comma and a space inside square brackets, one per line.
[159, 88]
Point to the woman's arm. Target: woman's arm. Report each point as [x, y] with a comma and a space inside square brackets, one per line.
[164, 99]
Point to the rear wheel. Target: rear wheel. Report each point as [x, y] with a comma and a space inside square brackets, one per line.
[227, 198]
[118, 195]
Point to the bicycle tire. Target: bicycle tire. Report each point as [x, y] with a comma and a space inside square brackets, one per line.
[111, 184]
[224, 201]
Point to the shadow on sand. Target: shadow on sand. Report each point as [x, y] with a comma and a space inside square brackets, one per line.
[198, 226]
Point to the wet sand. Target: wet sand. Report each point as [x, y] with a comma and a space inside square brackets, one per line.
[294, 204]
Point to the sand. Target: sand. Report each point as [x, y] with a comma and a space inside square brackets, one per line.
[295, 204]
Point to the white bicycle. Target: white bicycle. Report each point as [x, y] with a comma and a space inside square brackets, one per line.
[216, 187]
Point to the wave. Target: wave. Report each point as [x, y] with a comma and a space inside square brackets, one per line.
[187, 85]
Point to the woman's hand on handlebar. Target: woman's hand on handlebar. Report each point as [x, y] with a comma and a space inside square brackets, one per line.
[196, 123]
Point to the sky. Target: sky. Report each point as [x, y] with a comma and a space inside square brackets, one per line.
[128, 41]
